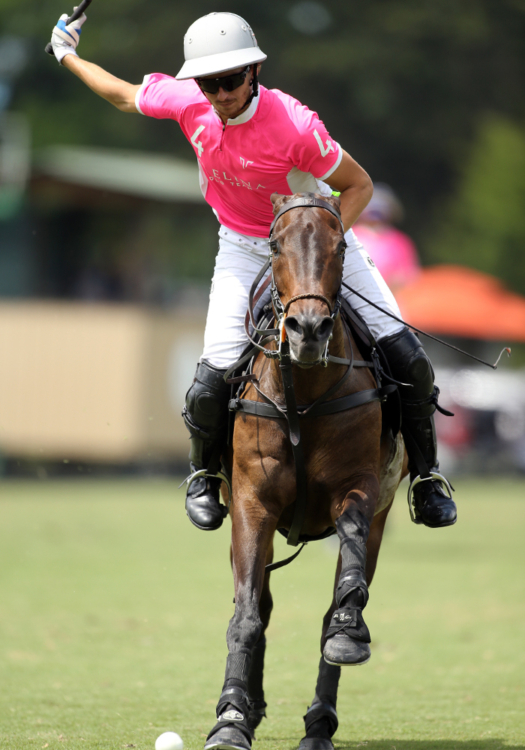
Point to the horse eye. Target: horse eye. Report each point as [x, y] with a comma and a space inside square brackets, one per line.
[342, 247]
[274, 247]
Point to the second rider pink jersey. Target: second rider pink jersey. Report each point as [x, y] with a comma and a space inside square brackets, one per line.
[276, 146]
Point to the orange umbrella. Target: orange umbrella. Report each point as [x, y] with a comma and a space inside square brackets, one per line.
[459, 301]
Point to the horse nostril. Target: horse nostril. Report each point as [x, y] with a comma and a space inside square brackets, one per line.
[293, 327]
[323, 329]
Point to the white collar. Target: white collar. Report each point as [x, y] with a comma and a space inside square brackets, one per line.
[247, 114]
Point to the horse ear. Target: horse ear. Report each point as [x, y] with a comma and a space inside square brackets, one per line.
[279, 201]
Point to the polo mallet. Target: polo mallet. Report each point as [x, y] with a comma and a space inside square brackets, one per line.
[76, 14]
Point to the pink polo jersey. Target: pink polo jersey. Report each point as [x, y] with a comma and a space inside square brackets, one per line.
[276, 146]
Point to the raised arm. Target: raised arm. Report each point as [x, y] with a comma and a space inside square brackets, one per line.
[355, 187]
[117, 92]
[64, 40]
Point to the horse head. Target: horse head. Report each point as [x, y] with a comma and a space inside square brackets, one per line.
[307, 252]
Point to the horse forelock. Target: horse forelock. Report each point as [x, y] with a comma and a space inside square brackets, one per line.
[310, 235]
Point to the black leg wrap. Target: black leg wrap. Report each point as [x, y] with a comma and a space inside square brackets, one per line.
[232, 729]
[237, 668]
[255, 686]
[347, 637]
[322, 714]
[321, 720]
[327, 684]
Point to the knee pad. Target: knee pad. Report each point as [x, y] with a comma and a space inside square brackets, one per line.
[409, 364]
[207, 399]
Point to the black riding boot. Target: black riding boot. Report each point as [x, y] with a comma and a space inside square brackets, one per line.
[431, 495]
[206, 417]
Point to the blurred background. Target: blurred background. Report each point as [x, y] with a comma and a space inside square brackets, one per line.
[107, 247]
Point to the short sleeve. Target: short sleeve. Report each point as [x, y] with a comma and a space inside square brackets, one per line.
[164, 97]
[314, 150]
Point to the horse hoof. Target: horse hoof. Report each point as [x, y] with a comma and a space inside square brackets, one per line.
[228, 738]
[315, 743]
[342, 651]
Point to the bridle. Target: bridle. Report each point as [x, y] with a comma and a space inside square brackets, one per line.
[280, 310]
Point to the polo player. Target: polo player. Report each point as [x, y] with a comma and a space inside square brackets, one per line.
[251, 142]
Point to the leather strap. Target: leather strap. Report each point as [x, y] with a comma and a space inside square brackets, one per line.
[254, 297]
[297, 449]
[269, 411]
[307, 203]
[287, 561]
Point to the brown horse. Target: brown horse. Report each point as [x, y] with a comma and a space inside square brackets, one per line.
[352, 467]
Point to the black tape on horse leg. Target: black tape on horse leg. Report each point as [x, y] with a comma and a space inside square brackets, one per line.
[237, 669]
[352, 523]
[232, 727]
[327, 683]
[255, 677]
[321, 718]
[353, 529]
[255, 686]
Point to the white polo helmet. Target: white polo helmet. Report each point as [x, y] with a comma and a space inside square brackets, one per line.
[216, 43]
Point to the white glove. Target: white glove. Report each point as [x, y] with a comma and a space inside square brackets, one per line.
[64, 39]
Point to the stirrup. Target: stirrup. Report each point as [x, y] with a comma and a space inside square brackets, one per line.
[434, 475]
[205, 473]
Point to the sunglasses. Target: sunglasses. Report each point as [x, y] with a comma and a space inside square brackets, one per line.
[228, 83]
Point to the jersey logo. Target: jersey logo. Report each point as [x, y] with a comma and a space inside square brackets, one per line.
[329, 147]
[245, 163]
[194, 137]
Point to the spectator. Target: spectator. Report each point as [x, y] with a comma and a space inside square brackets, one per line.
[392, 251]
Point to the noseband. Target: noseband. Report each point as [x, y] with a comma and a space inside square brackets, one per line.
[280, 310]
[307, 296]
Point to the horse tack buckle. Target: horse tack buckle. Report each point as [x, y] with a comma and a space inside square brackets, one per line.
[434, 475]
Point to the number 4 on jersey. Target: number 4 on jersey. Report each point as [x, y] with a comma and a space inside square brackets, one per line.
[329, 147]
[194, 137]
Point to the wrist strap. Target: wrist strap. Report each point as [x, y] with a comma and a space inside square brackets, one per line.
[61, 52]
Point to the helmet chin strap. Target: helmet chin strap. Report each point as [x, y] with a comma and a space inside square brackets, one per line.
[255, 87]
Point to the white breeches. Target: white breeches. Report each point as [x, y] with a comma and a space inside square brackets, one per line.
[239, 260]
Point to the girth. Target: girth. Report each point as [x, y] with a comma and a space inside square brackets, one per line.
[271, 411]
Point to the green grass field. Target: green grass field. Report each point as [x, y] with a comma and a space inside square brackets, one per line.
[113, 613]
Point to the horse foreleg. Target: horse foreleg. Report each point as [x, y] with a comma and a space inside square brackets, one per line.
[251, 540]
[255, 676]
[347, 637]
[320, 720]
